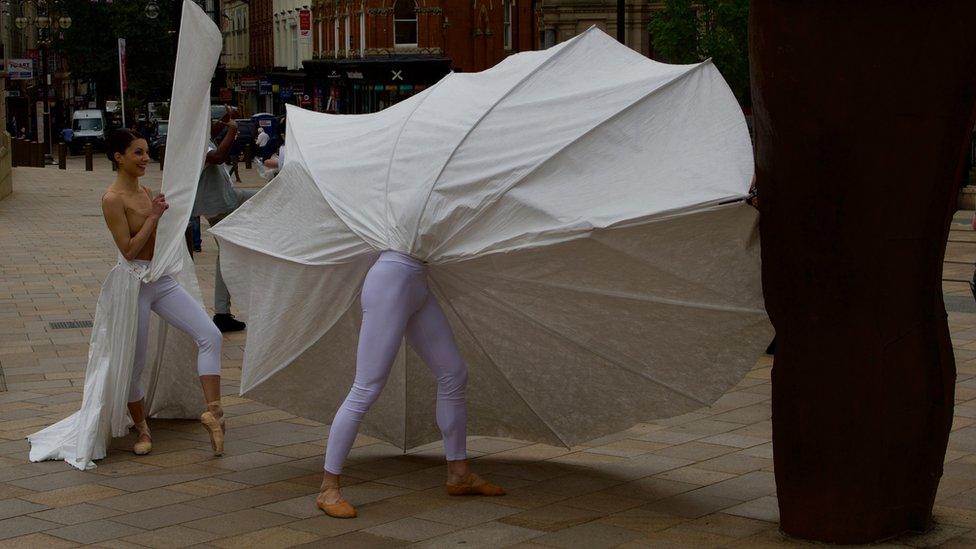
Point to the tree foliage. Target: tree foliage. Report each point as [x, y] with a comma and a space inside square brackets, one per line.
[687, 31]
[90, 46]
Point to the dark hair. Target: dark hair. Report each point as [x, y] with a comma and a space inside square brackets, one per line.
[119, 141]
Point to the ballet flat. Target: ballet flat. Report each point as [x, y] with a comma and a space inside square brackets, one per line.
[142, 448]
[342, 510]
[480, 489]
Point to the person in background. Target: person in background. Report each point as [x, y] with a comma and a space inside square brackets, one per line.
[261, 142]
[195, 234]
[216, 198]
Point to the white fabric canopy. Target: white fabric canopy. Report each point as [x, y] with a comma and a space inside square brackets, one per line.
[172, 389]
[579, 212]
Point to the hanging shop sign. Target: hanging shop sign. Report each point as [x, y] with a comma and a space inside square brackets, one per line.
[265, 87]
[305, 24]
[20, 69]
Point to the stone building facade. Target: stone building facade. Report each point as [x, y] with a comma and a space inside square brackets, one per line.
[560, 20]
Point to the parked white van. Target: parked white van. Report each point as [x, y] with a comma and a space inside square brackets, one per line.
[88, 126]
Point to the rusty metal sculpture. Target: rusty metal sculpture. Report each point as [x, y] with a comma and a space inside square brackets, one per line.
[862, 113]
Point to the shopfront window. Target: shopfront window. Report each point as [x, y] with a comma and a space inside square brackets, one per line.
[507, 24]
[405, 24]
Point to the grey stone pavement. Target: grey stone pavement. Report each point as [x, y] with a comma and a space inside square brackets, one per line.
[704, 479]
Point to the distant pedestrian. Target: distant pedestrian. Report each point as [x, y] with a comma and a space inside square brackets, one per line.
[261, 141]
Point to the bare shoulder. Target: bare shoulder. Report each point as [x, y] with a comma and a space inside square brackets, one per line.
[112, 198]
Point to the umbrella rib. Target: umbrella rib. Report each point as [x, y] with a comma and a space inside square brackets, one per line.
[484, 115]
[491, 360]
[609, 359]
[518, 177]
[631, 296]
[389, 165]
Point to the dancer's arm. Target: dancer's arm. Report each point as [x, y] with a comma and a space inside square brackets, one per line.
[221, 154]
[113, 208]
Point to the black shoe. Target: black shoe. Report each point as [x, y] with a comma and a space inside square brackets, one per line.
[197, 249]
[227, 323]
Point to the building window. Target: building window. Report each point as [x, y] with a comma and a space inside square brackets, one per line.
[362, 30]
[405, 24]
[547, 38]
[347, 35]
[507, 24]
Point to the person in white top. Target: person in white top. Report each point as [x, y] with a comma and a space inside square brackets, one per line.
[262, 139]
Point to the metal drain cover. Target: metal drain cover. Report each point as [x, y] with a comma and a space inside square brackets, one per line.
[71, 324]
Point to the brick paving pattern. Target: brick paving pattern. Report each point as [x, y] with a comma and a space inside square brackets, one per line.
[704, 479]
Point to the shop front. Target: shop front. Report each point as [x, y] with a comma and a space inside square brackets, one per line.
[288, 88]
[359, 86]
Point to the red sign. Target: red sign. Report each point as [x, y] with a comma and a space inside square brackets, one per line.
[123, 78]
[226, 95]
[305, 24]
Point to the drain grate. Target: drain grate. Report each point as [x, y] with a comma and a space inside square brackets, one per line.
[71, 324]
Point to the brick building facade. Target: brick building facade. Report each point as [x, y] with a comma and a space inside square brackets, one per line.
[260, 58]
[369, 54]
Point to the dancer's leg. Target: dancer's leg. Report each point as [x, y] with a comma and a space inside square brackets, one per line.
[429, 333]
[391, 293]
[147, 293]
[143, 444]
[387, 305]
[177, 307]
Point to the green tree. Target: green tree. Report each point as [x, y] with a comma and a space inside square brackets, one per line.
[686, 31]
[90, 47]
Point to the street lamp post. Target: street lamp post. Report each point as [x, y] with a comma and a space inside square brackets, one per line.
[42, 18]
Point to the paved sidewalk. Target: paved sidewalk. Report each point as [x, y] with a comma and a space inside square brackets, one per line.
[700, 480]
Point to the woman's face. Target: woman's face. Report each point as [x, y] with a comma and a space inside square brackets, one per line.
[135, 159]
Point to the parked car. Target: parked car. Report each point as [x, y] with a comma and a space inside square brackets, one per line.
[87, 126]
[162, 128]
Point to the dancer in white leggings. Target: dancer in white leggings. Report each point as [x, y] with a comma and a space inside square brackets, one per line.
[173, 304]
[395, 301]
[132, 214]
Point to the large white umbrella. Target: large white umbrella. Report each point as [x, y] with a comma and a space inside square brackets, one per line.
[579, 210]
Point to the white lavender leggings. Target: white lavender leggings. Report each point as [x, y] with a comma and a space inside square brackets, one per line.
[395, 301]
[174, 305]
